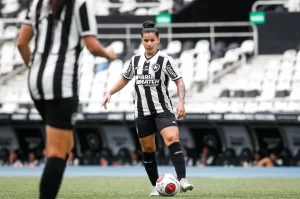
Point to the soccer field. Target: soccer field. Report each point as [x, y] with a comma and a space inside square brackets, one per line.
[139, 187]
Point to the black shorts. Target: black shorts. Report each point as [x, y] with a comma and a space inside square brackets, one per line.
[58, 113]
[147, 125]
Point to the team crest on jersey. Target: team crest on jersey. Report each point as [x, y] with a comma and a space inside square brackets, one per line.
[73, 118]
[167, 106]
[155, 67]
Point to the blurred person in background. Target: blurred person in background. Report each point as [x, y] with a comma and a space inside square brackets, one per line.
[256, 158]
[207, 157]
[153, 107]
[187, 158]
[32, 161]
[269, 161]
[72, 161]
[136, 157]
[58, 28]
[107, 158]
[124, 157]
[4, 156]
[43, 160]
[14, 159]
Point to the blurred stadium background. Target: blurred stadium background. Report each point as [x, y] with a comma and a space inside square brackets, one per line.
[240, 63]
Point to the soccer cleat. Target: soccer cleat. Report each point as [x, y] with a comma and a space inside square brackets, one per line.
[154, 192]
[185, 185]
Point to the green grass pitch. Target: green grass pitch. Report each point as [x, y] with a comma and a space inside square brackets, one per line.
[139, 188]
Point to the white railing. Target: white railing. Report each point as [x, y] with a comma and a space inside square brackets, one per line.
[137, 5]
[212, 33]
[272, 2]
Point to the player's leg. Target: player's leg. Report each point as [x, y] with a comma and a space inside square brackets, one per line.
[59, 143]
[168, 128]
[146, 132]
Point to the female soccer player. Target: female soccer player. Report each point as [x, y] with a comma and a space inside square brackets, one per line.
[153, 108]
[58, 27]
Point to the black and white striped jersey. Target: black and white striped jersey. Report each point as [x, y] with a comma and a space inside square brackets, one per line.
[53, 69]
[152, 76]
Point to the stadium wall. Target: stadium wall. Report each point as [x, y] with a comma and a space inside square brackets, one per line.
[279, 33]
[93, 132]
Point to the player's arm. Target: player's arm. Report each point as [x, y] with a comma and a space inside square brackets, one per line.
[96, 48]
[25, 35]
[180, 110]
[180, 90]
[174, 74]
[121, 83]
[87, 28]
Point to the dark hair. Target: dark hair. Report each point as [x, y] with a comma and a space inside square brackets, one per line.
[57, 7]
[149, 26]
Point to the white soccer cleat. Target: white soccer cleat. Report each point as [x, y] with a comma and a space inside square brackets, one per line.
[154, 192]
[185, 185]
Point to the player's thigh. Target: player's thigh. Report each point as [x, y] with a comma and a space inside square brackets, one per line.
[167, 126]
[59, 142]
[145, 126]
[164, 120]
[148, 143]
[146, 129]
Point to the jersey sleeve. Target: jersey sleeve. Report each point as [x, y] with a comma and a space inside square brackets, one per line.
[30, 17]
[172, 70]
[86, 18]
[129, 71]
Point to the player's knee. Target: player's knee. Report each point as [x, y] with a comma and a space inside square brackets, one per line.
[171, 139]
[148, 148]
[57, 151]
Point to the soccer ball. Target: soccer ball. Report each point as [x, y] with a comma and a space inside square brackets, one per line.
[167, 185]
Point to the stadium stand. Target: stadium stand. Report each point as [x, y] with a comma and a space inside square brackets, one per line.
[277, 6]
[268, 84]
[196, 59]
[18, 8]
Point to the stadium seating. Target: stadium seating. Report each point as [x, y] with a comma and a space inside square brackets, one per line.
[194, 59]
[18, 8]
[266, 84]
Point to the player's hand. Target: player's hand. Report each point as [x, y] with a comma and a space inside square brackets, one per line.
[106, 100]
[111, 53]
[180, 110]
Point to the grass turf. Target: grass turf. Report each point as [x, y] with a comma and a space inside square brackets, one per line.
[139, 188]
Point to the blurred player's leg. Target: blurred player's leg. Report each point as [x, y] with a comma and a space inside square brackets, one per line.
[59, 144]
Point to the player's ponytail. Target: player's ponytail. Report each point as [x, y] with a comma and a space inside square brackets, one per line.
[57, 7]
[149, 26]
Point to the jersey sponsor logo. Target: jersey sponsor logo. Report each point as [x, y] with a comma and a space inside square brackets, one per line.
[147, 80]
[171, 71]
[146, 68]
[128, 71]
[155, 67]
